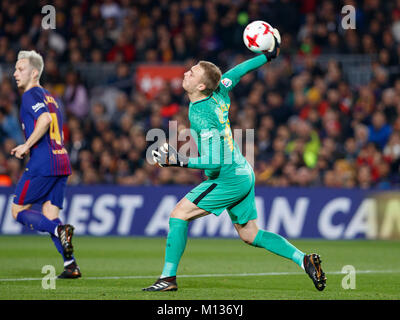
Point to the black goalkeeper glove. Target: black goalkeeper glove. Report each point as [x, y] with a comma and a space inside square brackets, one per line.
[274, 53]
[167, 156]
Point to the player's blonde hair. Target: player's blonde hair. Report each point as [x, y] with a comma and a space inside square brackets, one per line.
[34, 58]
[211, 78]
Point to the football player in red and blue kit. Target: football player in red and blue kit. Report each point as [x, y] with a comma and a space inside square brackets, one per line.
[47, 171]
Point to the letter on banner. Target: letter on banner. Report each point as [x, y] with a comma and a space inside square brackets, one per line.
[103, 212]
[325, 226]
[128, 203]
[363, 221]
[79, 212]
[160, 219]
[292, 222]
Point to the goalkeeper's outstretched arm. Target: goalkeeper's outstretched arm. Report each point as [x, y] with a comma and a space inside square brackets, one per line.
[233, 76]
[236, 73]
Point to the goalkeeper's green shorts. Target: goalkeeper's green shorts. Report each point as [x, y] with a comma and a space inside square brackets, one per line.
[236, 195]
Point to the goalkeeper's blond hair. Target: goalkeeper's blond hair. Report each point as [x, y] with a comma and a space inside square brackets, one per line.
[211, 78]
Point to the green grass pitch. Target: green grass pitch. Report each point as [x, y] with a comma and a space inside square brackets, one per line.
[211, 269]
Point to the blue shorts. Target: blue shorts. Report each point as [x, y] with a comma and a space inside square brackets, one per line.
[38, 189]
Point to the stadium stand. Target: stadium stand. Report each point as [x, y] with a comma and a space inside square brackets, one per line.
[326, 113]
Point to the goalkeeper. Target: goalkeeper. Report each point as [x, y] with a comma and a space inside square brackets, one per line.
[230, 183]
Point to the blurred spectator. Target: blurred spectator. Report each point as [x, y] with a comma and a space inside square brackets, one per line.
[364, 180]
[75, 97]
[110, 9]
[122, 80]
[9, 124]
[123, 50]
[392, 148]
[306, 143]
[379, 131]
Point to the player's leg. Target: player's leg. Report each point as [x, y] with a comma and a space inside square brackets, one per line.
[16, 209]
[33, 189]
[183, 212]
[53, 203]
[211, 196]
[27, 192]
[244, 214]
[311, 263]
[71, 269]
[252, 235]
[51, 212]
[33, 219]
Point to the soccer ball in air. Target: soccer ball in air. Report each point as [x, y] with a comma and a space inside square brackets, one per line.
[258, 36]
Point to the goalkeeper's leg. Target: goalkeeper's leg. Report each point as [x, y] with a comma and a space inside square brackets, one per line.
[176, 243]
[252, 235]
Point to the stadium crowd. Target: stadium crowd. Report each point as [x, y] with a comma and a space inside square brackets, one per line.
[313, 126]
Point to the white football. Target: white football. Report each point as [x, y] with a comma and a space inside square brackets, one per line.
[258, 36]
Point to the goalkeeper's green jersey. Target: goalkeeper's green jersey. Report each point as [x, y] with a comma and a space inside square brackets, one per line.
[220, 156]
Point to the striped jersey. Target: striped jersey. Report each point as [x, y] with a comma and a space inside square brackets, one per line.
[48, 157]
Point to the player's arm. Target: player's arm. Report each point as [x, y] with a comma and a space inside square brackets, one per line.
[41, 127]
[233, 76]
[168, 156]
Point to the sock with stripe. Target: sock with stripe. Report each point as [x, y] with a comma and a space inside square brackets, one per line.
[59, 247]
[277, 244]
[37, 221]
[176, 243]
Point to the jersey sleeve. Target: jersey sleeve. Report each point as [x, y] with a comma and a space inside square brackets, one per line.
[33, 104]
[231, 78]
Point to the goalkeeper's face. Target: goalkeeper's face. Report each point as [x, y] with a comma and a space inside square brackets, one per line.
[193, 79]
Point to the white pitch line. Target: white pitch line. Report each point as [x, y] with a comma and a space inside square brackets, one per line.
[209, 275]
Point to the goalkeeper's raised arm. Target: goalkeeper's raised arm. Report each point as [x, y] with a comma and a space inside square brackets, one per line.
[233, 76]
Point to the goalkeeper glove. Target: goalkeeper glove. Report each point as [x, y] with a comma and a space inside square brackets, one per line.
[167, 156]
[275, 52]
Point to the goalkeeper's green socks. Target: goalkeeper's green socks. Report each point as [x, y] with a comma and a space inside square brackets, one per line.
[176, 243]
[275, 243]
[177, 238]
